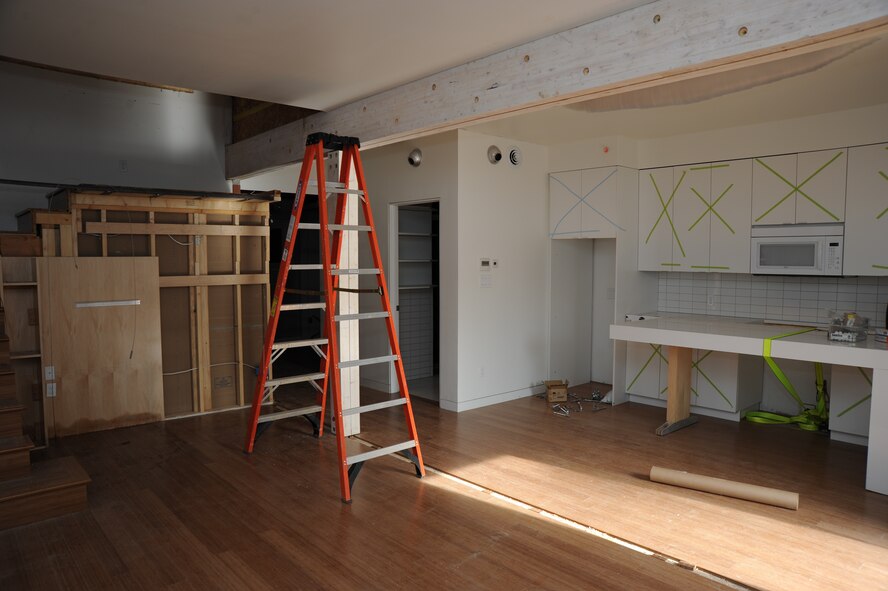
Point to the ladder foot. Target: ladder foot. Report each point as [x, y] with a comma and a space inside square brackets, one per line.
[412, 457]
[313, 420]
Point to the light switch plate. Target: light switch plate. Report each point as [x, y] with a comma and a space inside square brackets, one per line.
[49, 373]
[50, 390]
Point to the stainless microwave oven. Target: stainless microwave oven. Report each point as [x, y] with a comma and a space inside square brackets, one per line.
[797, 249]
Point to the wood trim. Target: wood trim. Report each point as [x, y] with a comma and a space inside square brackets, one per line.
[128, 201]
[210, 280]
[174, 229]
[45, 218]
[623, 52]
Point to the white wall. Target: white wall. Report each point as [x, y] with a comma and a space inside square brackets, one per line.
[819, 132]
[391, 181]
[603, 295]
[61, 128]
[594, 153]
[503, 215]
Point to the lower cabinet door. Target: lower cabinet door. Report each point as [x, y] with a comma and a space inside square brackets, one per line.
[716, 380]
[849, 400]
[643, 369]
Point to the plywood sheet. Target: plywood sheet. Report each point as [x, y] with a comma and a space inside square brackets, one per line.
[107, 360]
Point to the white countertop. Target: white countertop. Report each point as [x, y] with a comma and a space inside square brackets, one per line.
[746, 336]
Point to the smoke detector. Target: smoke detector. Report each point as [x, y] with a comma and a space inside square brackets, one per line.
[514, 156]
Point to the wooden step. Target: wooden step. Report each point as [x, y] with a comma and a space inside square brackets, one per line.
[15, 457]
[53, 488]
[10, 417]
[7, 382]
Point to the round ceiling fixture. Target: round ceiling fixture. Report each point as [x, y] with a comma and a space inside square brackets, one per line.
[414, 158]
[514, 156]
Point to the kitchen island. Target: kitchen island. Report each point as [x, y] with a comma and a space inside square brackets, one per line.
[682, 333]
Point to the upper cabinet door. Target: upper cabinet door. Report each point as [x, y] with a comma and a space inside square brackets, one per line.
[866, 226]
[820, 197]
[600, 215]
[731, 201]
[774, 190]
[692, 219]
[656, 229]
[565, 196]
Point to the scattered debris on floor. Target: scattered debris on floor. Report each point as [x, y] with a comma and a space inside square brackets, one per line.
[572, 402]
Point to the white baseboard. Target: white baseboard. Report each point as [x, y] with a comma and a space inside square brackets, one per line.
[849, 438]
[697, 410]
[460, 406]
[381, 386]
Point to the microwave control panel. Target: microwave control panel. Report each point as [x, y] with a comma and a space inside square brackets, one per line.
[833, 260]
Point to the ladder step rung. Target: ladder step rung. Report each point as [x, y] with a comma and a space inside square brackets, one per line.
[380, 452]
[297, 344]
[364, 316]
[286, 414]
[308, 226]
[368, 361]
[371, 407]
[359, 228]
[309, 377]
[317, 267]
[336, 188]
[355, 272]
[309, 306]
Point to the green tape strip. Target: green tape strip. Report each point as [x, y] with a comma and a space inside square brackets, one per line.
[811, 419]
[884, 176]
[670, 264]
[880, 266]
[862, 400]
[710, 167]
[709, 267]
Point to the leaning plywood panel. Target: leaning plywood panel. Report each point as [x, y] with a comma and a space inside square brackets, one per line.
[101, 337]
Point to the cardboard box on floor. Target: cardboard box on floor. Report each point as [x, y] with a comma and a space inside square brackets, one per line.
[556, 390]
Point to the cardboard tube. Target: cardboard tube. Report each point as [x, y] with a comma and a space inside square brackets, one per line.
[728, 488]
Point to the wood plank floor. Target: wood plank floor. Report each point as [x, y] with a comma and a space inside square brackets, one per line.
[593, 468]
[178, 506]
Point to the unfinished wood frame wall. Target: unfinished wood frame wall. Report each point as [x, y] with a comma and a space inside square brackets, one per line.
[213, 256]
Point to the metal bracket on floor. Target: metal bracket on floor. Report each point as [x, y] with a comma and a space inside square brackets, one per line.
[667, 427]
[314, 421]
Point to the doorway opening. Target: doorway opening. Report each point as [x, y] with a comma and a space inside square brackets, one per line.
[418, 300]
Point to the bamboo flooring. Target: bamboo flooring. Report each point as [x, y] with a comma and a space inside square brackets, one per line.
[177, 506]
[593, 468]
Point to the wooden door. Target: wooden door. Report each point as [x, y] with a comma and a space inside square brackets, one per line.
[100, 334]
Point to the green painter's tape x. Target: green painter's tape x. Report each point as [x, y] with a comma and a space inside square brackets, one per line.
[884, 211]
[696, 365]
[665, 211]
[710, 208]
[798, 188]
[862, 400]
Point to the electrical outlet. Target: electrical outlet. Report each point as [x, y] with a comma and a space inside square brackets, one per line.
[49, 373]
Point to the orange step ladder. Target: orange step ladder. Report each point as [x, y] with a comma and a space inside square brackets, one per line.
[331, 241]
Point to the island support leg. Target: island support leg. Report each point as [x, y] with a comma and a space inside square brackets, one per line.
[877, 450]
[678, 401]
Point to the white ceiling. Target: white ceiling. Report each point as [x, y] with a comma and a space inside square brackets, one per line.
[830, 80]
[317, 54]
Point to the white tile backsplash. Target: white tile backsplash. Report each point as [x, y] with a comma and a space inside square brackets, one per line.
[806, 299]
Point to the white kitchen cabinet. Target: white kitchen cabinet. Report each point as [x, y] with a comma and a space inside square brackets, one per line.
[804, 188]
[565, 194]
[643, 368]
[726, 381]
[822, 177]
[849, 403]
[866, 223]
[656, 198]
[773, 189]
[585, 203]
[722, 384]
[731, 199]
[692, 199]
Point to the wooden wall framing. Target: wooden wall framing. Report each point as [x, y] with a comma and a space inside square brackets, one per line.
[213, 257]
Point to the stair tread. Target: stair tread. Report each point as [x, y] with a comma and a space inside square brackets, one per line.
[15, 443]
[47, 475]
[10, 405]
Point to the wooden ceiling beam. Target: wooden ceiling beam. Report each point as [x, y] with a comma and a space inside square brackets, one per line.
[661, 42]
